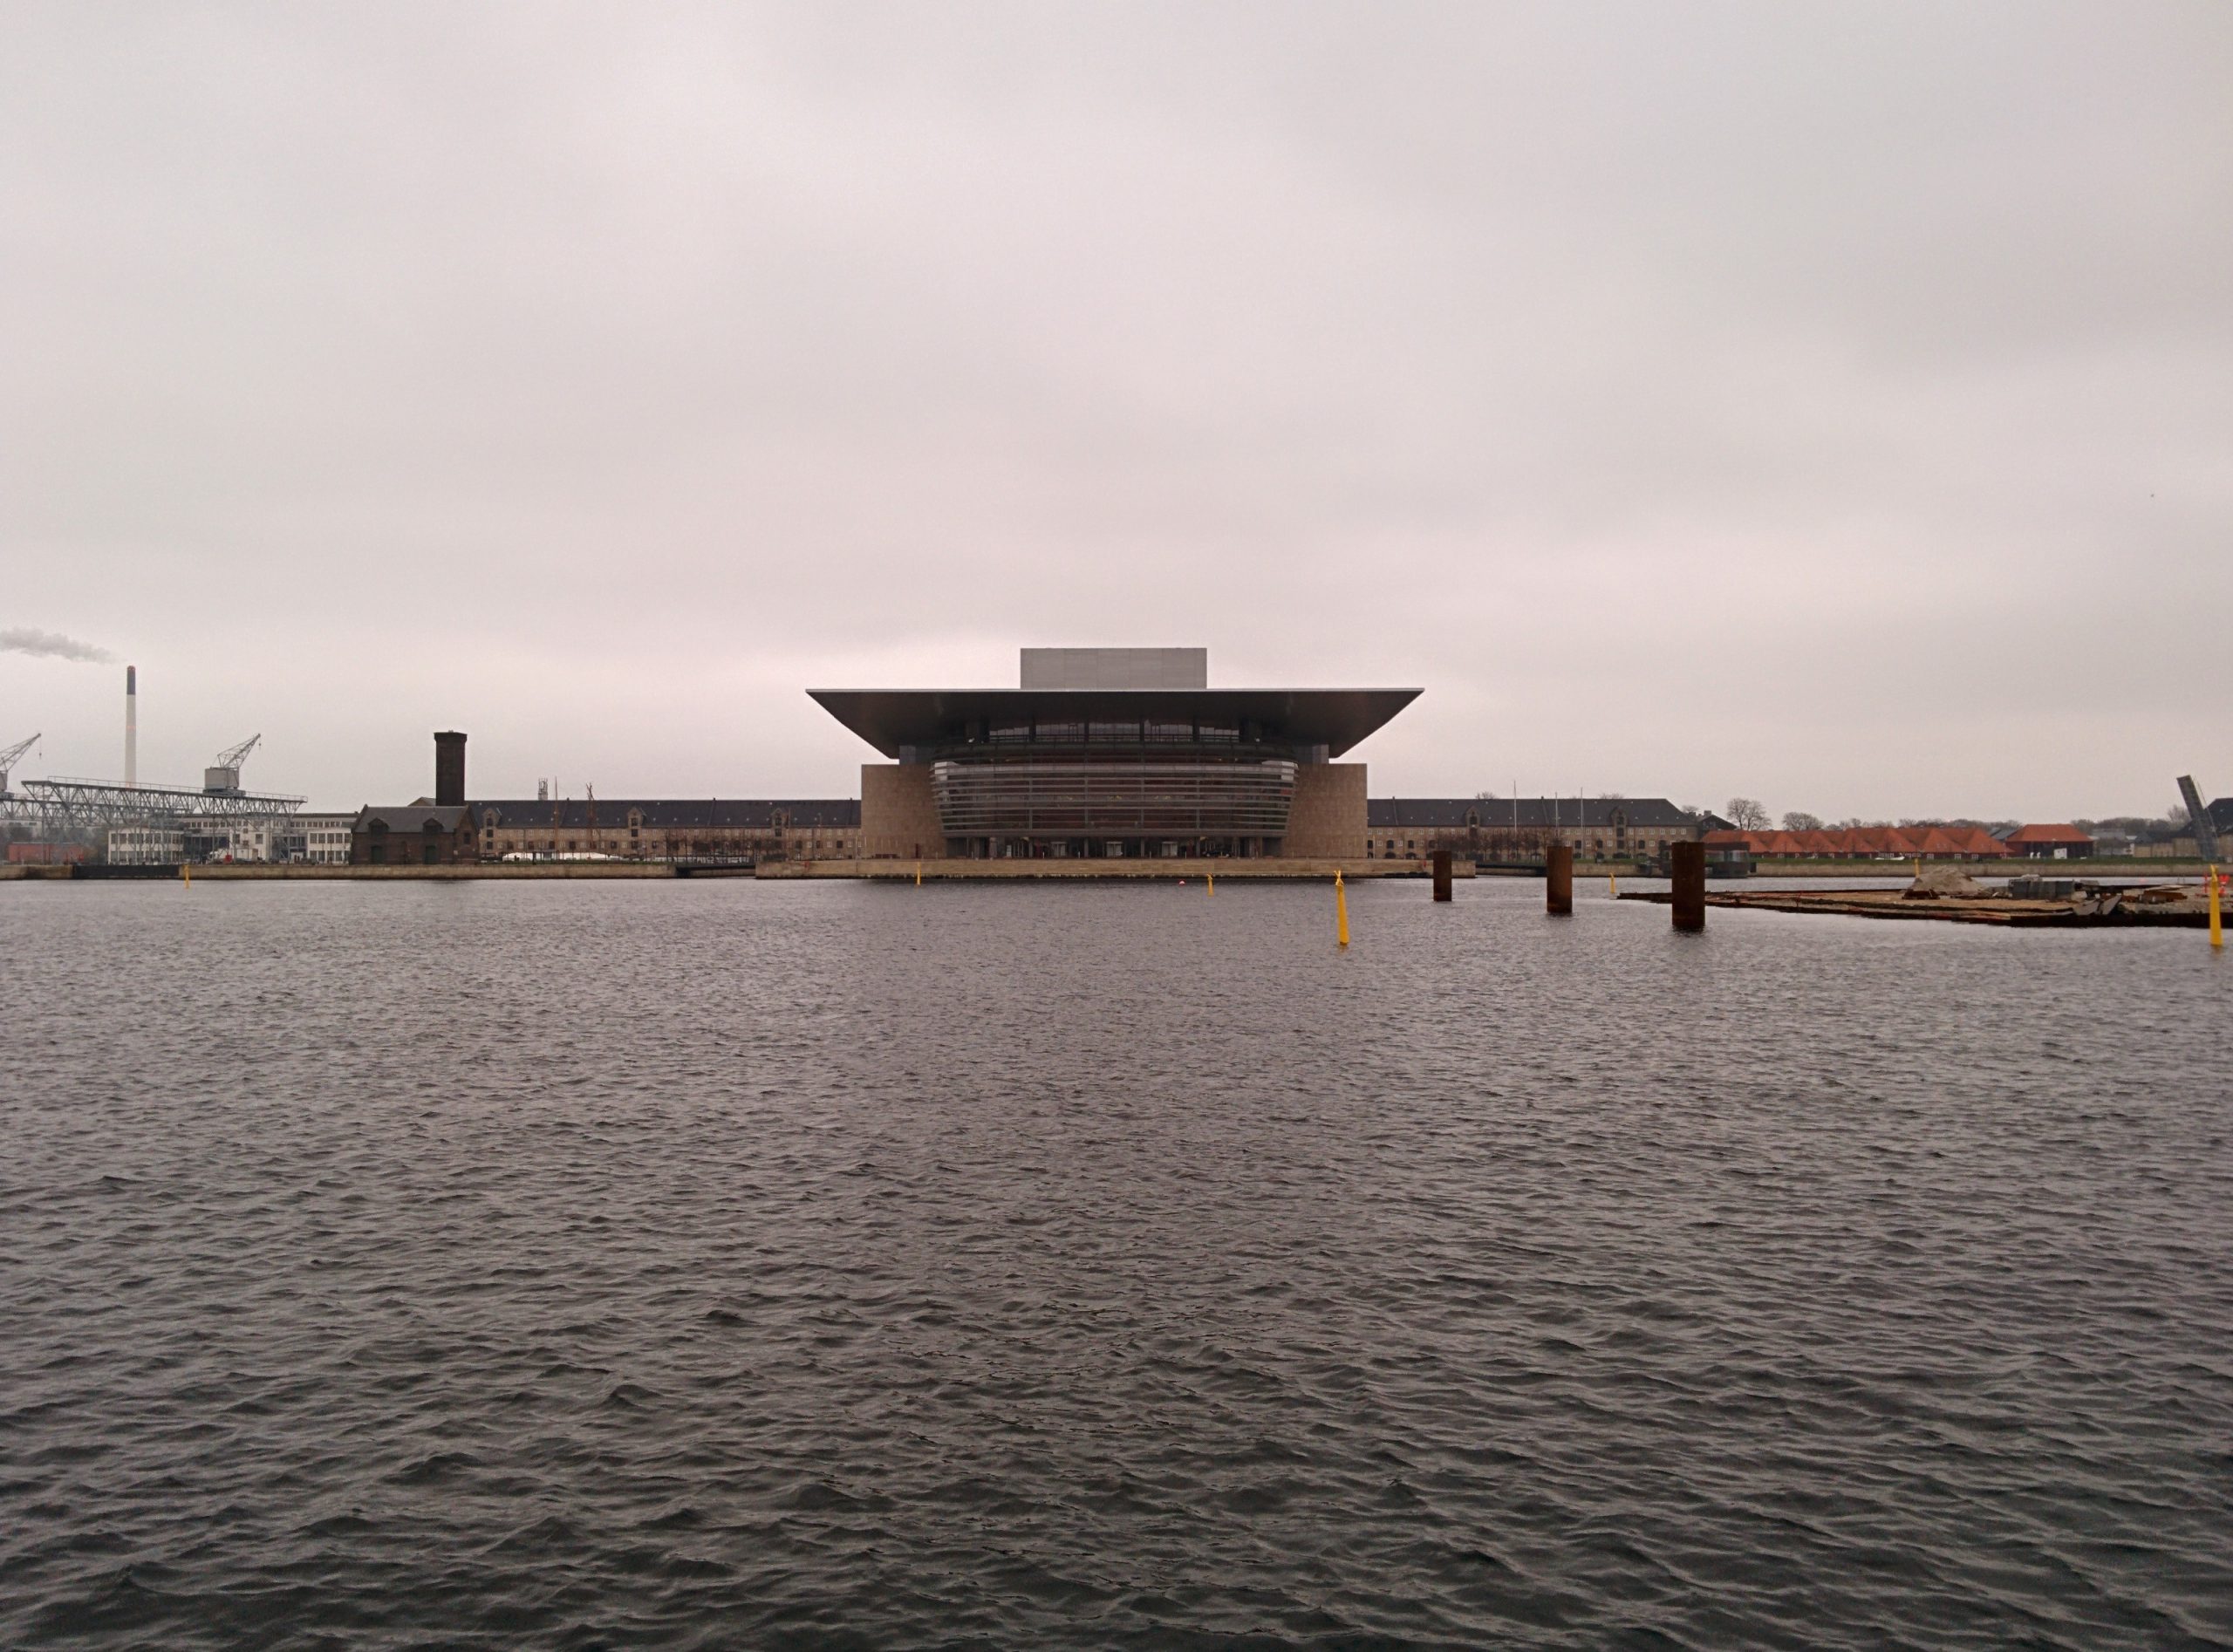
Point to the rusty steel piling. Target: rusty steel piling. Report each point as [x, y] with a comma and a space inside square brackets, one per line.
[1557, 880]
[1442, 874]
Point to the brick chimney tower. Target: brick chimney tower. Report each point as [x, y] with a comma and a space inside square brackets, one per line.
[450, 770]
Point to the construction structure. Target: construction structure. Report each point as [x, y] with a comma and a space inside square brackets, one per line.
[9, 757]
[1114, 754]
[131, 824]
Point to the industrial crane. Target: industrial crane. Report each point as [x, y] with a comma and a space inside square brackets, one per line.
[8, 759]
[222, 778]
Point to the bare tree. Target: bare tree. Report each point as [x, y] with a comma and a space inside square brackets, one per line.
[1747, 813]
[1798, 819]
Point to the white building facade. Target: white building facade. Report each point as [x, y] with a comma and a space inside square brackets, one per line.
[321, 840]
[147, 844]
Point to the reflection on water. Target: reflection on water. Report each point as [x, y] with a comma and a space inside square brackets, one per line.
[720, 1264]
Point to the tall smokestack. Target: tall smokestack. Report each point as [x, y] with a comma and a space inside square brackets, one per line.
[450, 770]
[132, 725]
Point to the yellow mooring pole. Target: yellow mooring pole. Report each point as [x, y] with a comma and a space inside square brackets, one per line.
[2216, 924]
[1213, 882]
[919, 874]
[1341, 912]
[1613, 884]
[185, 874]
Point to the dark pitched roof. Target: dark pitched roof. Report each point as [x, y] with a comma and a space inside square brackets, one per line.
[673, 813]
[413, 817]
[1527, 814]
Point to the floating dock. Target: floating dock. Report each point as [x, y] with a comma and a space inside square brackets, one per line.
[2171, 906]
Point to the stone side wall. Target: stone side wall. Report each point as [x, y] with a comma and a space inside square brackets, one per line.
[899, 816]
[1326, 820]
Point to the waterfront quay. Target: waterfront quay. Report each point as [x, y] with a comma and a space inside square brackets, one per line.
[943, 870]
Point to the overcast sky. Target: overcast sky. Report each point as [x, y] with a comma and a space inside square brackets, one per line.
[1829, 404]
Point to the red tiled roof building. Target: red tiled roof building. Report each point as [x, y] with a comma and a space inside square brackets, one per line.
[2059, 842]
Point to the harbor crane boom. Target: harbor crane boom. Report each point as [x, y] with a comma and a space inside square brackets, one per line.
[8, 759]
[238, 754]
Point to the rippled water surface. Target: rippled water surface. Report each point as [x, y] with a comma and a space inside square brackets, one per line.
[726, 1264]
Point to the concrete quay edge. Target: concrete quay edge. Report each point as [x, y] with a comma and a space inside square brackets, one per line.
[1267, 870]
[250, 872]
[883, 870]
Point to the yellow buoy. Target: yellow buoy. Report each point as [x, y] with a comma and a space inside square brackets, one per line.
[1341, 912]
[2216, 924]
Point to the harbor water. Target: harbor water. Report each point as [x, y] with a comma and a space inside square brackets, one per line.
[718, 1264]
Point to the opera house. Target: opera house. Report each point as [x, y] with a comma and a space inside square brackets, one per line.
[1113, 753]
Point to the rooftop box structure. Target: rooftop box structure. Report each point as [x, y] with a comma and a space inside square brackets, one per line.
[1114, 752]
[1045, 668]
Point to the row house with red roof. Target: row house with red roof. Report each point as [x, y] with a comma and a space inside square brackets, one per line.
[1858, 843]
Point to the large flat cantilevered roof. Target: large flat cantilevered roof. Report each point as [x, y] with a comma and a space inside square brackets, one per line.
[1335, 718]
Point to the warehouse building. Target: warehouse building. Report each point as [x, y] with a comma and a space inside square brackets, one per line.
[415, 835]
[444, 832]
[671, 828]
[1522, 828]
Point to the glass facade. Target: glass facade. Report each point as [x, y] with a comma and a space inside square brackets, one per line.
[1113, 806]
